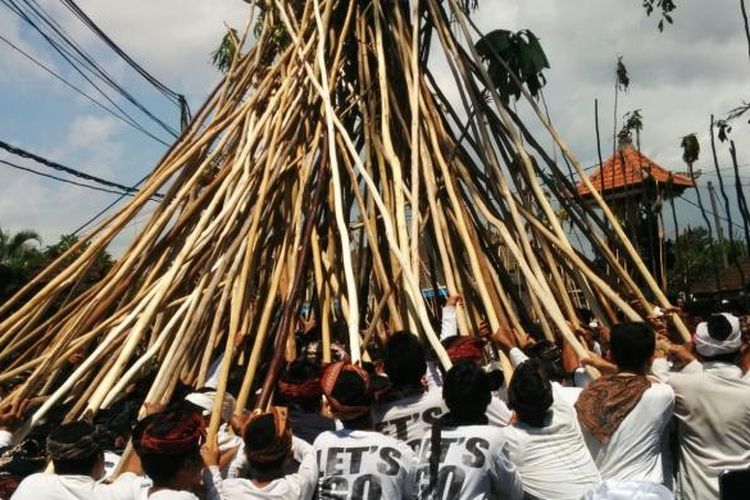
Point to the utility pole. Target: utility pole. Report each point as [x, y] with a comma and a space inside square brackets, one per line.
[719, 231]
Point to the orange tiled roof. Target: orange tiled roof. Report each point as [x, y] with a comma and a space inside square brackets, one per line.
[618, 177]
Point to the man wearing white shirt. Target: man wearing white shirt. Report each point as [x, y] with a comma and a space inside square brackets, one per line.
[463, 457]
[357, 462]
[545, 441]
[79, 465]
[469, 347]
[169, 447]
[712, 407]
[269, 444]
[624, 416]
[408, 409]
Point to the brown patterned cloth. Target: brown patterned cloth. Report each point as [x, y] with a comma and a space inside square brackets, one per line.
[605, 403]
[328, 382]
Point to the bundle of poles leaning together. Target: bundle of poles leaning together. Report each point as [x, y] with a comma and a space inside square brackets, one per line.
[328, 168]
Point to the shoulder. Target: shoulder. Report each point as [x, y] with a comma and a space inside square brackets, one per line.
[487, 431]
[659, 391]
[172, 495]
[324, 438]
[31, 484]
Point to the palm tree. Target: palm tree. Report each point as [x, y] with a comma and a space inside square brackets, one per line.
[18, 250]
[19, 257]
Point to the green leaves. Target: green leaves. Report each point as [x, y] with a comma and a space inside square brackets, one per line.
[623, 80]
[665, 7]
[633, 122]
[724, 128]
[222, 57]
[524, 57]
[690, 149]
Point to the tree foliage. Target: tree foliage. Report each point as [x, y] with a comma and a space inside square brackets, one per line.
[664, 9]
[223, 56]
[633, 122]
[623, 80]
[22, 257]
[692, 256]
[690, 149]
[524, 57]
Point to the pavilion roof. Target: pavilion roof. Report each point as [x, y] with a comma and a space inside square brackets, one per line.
[628, 170]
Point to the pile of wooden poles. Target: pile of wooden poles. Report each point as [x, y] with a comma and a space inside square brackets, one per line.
[327, 168]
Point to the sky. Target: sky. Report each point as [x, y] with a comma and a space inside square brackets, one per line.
[696, 67]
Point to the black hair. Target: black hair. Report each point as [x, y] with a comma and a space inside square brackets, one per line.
[719, 327]
[351, 390]
[632, 345]
[162, 469]
[259, 435]
[299, 371]
[530, 393]
[549, 356]
[586, 315]
[114, 424]
[467, 392]
[70, 434]
[404, 359]
[535, 331]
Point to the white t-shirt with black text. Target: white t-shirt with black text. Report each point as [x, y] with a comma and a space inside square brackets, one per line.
[474, 465]
[357, 464]
[408, 419]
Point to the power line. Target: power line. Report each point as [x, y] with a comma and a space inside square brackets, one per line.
[71, 58]
[62, 168]
[85, 59]
[60, 179]
[106, 209]
[81, 92]
[682, 197]
[84, 18]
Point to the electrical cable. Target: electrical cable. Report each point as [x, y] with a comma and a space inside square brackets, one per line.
[682, 197]
[87, 61]
[78, 90]
[65, 54]
[85, 19]
[105, 209]
[62, 168]
[60, 179]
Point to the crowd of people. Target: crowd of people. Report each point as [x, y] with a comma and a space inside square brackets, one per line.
[644, 417]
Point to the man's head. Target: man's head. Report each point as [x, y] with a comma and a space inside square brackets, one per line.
[467, 390]
[299, 385]
[632, 346]
[719, 337]
[464, 348]
[74, 450]
[530, 393]
[168, 445]
[404, 359]
[202, 401]
[549, 356]
[349, 392]
[268, 443]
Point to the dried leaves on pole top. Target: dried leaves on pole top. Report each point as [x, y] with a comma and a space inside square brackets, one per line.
[418, 192]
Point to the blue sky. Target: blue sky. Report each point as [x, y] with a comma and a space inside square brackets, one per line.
[697, 67]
